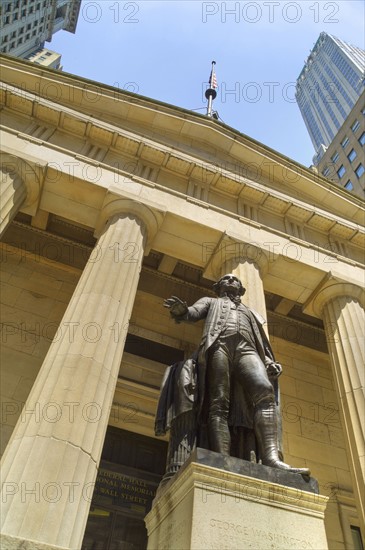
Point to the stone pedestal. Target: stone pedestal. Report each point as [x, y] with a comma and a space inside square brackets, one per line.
[220, 502]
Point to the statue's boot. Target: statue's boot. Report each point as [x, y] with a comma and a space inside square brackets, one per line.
[219, 435]
[266, 431]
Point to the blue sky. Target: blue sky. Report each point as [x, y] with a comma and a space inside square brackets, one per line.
[163, 50]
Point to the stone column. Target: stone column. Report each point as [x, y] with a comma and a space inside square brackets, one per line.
[248, 262]
[20, 184]
[50, 464]
[249, 271]
[341, 306]
[13, 194]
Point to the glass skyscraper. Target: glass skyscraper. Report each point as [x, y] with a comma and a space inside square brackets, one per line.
[328, 87]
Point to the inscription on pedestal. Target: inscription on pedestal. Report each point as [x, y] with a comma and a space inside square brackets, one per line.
[252, 537]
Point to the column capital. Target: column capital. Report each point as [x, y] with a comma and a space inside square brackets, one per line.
[232, 249]
[329, 288]
[31, 174]
[151, 214]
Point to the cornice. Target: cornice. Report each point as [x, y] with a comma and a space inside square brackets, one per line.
[132, 107]
[353, 232]
[259, 196]
[149, 150]
[182, 165]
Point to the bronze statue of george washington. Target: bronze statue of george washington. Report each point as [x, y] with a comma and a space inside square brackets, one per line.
[230, 386]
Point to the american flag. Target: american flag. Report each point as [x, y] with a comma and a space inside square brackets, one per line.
[213, 80]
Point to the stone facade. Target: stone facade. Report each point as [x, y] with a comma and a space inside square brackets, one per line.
[114, 202]
[343, 160]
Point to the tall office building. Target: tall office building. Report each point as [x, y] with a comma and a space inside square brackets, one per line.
[343, 160]
[330, 95]
[47, 58]
[27, 24]
[328, 87]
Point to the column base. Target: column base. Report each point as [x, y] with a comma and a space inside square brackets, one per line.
[219, 502]
[14, 543]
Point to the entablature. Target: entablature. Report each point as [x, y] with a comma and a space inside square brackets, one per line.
[249, 205]
[214, 143]
[178, 165]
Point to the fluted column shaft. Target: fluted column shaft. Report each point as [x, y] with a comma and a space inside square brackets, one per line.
[12, 195]
[344, 321]
[56, 446]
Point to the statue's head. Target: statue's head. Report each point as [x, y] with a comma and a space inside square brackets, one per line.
[229, 284]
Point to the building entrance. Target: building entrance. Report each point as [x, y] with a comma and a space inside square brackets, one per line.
[130, 471]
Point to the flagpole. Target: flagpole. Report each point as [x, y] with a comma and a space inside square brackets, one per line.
[210, 93]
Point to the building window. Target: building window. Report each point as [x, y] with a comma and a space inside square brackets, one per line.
[355, 125]
[356, 537]
[352, 155]
[345, 141]
[362, 139]
[349, 186]
[359, 170]
[341, 171]
[335, 157]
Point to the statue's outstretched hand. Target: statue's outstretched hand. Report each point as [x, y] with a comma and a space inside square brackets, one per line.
[177, 307]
